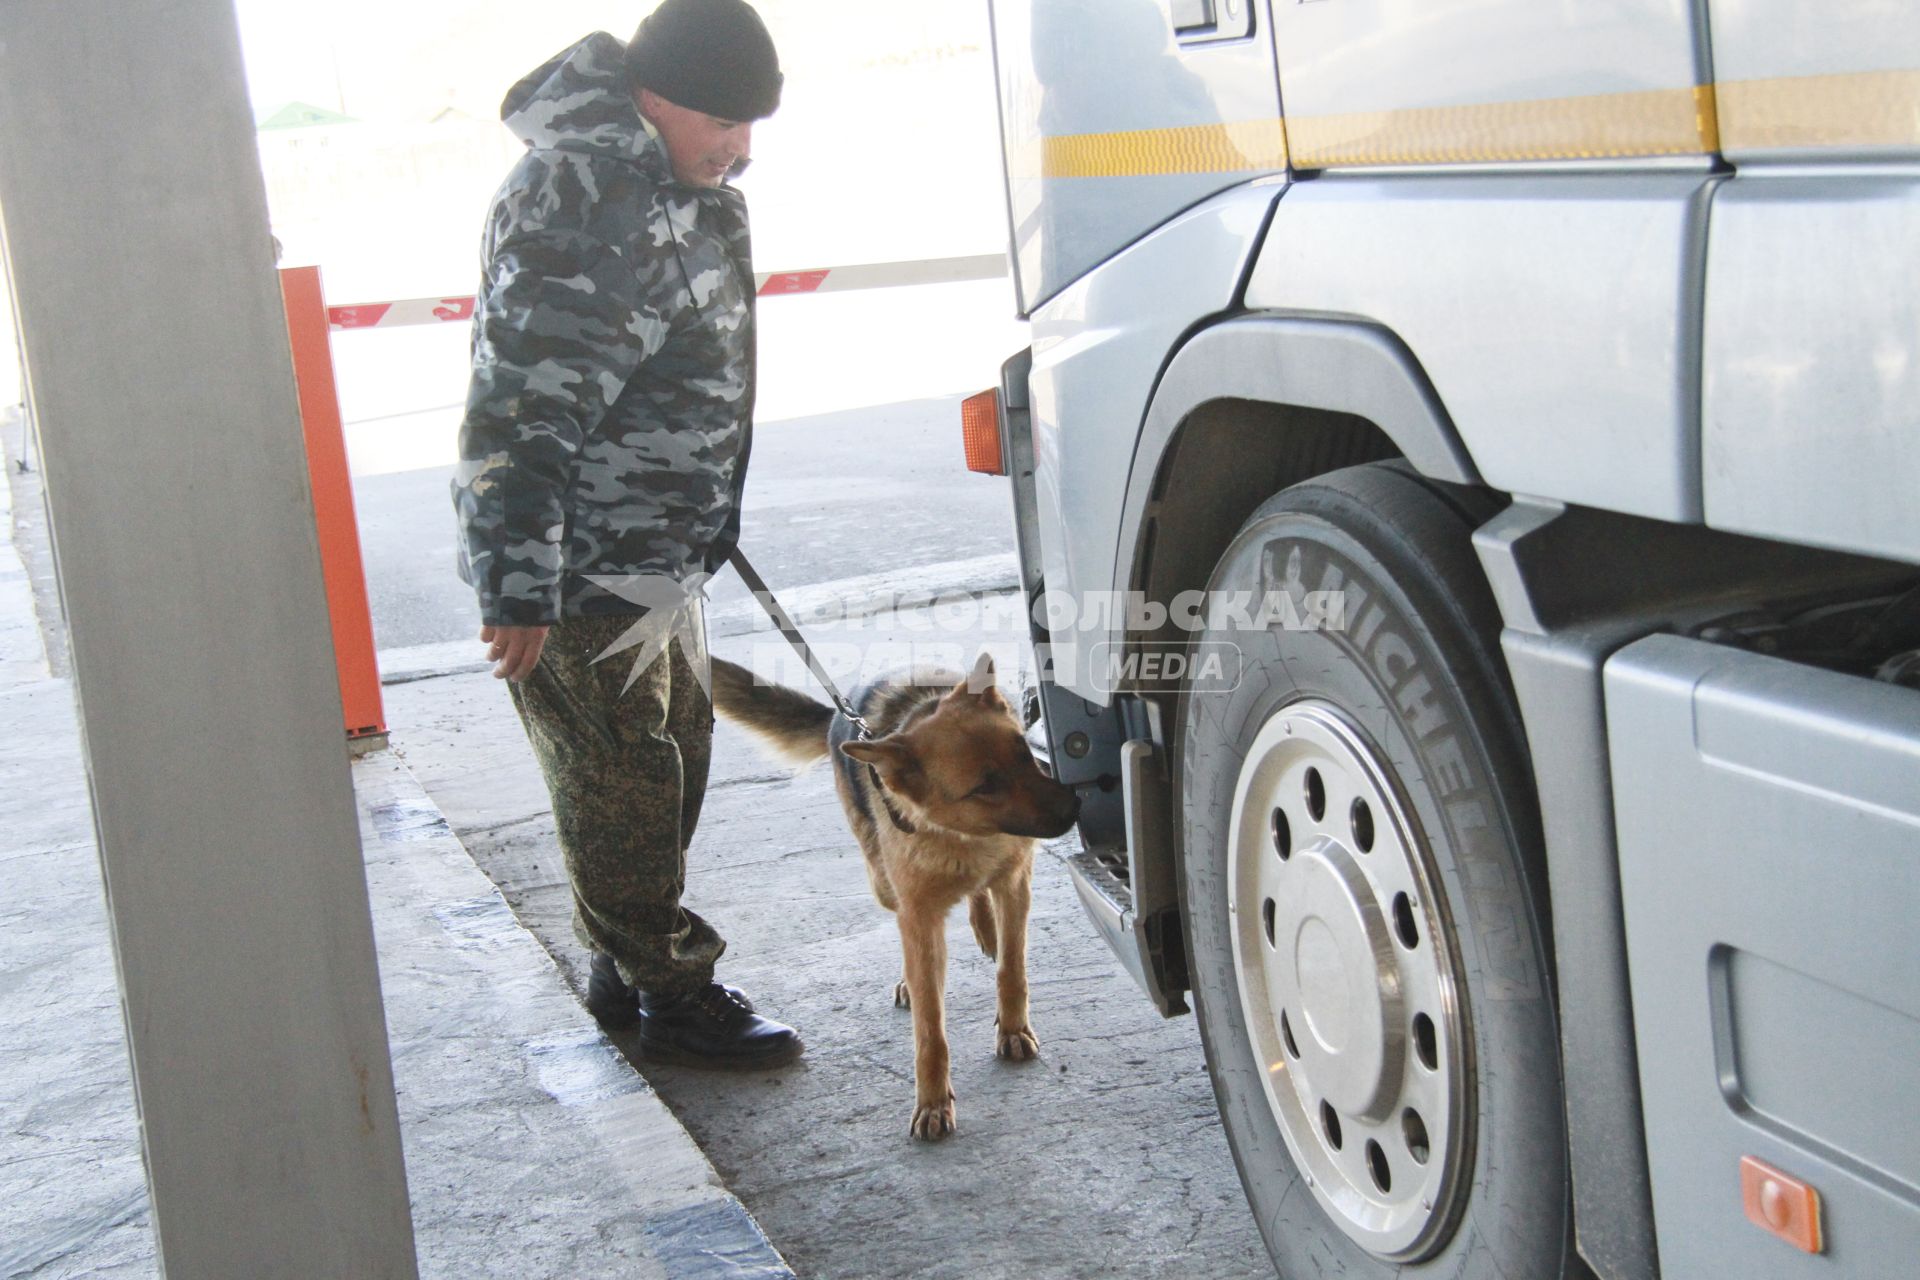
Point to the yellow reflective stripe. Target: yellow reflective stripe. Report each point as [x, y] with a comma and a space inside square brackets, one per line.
[1657, 122]
[1662, 122]
[1249, 146]
[1852, 109]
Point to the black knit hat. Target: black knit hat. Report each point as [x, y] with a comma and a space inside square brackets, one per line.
[707, 55]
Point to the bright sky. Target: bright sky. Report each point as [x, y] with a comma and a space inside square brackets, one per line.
[885, 146]
[405, 60]
[380, 60]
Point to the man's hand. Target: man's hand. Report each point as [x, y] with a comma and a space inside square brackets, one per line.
[513, 650]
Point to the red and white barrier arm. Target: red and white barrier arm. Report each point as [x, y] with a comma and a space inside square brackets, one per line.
[866, 275]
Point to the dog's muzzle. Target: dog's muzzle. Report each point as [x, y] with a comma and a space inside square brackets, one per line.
[1062, 822]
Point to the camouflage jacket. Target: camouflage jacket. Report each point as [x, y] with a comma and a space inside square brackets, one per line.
[610, 411]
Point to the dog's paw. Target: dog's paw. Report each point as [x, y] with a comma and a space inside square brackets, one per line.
[933, 1121]
[1017, 1045]
[902, 998]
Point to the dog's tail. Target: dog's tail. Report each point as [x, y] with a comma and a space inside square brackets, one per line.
[791, 722]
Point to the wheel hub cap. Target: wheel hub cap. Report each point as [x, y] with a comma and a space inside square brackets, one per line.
[1342, 978]
[1347, 982]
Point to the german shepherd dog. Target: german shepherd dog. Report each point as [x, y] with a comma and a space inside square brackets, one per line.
[947, 802]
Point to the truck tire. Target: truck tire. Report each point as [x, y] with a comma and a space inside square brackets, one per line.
[1364, 897]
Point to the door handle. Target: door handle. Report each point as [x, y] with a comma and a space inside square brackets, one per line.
[1199, 21]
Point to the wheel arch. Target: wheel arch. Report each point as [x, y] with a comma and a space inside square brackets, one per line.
[1317, 381]
[1253, 404]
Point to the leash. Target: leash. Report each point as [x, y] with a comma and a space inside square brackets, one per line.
[863, 731]
[765, 596]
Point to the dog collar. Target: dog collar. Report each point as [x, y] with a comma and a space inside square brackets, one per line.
[894, 814]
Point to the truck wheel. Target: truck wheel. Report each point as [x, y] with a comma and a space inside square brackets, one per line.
[1365, 898]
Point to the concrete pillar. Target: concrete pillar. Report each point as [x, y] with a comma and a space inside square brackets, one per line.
[12, 389]
[157, 368]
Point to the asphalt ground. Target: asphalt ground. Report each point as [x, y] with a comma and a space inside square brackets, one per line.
[857, 465]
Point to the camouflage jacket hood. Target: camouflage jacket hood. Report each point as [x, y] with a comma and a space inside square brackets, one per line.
[578, 101]
[609, 415]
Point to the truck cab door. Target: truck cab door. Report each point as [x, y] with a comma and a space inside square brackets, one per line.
[1185, 103]
[1812, 345]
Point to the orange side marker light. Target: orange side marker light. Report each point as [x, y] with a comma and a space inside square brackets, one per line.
[980, 431]
[1781, 1205]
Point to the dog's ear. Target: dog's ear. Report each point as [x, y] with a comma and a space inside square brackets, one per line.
[980, 682]
[867, 752]
[893, 759]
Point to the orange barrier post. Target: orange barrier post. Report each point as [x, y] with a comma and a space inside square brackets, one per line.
[333, 516]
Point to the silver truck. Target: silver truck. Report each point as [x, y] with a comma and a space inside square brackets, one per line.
[1521, 400]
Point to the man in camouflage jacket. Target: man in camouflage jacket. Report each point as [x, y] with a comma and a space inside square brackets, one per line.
[606, 437]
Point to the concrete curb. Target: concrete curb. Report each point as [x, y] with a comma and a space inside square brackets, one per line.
[863, 596]
[608, 1178]
[870, 594]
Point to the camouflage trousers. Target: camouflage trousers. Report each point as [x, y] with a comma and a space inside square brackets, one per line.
[627, 773]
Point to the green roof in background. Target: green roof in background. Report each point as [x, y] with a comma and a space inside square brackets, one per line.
[300, 115]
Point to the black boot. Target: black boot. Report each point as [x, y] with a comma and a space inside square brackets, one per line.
[613, 1003]
[610, 1000]
[712, 1027]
